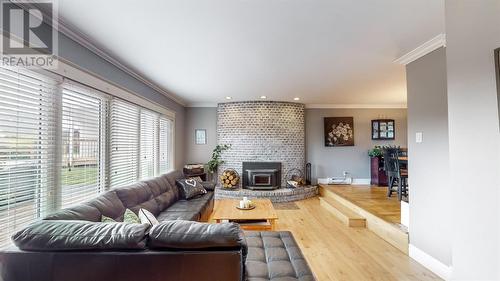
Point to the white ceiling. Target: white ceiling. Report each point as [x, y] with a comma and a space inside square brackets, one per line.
[325, 52]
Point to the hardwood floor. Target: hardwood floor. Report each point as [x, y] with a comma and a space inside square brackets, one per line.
[338, 252]
[371, 198]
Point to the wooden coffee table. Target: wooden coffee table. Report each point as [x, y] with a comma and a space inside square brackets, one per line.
[263, 217]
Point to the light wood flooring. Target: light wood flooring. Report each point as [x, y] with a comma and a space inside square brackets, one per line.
[338, 252]
[373, 199]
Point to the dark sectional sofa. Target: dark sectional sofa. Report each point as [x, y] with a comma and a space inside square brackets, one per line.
[73, 245]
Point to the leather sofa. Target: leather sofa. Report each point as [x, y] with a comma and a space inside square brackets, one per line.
[72, 244]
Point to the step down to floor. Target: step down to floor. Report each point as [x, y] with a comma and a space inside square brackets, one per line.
[347, 216]
[395, 234]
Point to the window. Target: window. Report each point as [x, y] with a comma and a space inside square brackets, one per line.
[141, 143]
[149, 144]
[165, 143]
[83, 142]
[62, 143]
[27, 149]
[124, 142]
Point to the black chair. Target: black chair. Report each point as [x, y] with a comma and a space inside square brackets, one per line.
[394, 172]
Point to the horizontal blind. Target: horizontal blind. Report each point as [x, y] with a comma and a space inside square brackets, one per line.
[124, 126]
[149, 143]
[27, 148]
[83, 142]
[164, 145]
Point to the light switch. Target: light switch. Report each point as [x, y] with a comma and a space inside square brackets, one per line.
[419, 137]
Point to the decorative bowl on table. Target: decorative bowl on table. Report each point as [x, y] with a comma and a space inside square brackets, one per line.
[250, 207]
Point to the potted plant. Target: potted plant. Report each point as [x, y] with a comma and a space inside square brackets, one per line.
[376, 151]
[215, 162]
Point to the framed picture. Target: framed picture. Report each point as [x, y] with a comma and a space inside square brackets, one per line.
[200, 136]
[497, 71]
[383, 129]
[339, 131]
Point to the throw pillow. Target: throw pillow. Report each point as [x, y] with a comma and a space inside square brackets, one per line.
[198, 179]
[147, 217]
[107, 219]
[130, 217]
[190, 188]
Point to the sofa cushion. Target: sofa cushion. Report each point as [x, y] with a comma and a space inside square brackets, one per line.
[208, 185]
[197, 204]
[109, 205]
[78, 212]
[168, 215]
[60, 235]
[195, 235]
[275, 256]
[138, 196]
[163, 193]
[172, 176]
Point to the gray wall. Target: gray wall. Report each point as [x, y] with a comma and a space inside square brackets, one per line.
[200, 118]
[472, 33]
[326, 161]
[332, 161]
[429, 165]
[84, 58]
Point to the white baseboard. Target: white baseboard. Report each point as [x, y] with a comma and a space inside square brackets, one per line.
[430, 262]
[405, 214]
[361, 181]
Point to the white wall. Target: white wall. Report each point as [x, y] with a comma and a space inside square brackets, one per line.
[473, 32]
[430, 203]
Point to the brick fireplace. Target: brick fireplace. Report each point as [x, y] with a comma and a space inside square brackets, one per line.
[262, 131]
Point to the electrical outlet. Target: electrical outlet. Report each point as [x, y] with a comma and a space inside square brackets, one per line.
[419, 137]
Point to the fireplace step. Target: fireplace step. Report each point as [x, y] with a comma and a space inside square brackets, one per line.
[347, 216]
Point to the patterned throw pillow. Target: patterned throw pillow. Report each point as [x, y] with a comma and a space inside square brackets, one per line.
[147, 217]
[190, 188]
[130, 217]
[107, 219]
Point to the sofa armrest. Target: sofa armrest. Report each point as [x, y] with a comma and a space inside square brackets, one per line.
[181, 234]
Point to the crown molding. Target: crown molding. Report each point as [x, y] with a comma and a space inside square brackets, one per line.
[86, 42]
[319, 105]
[322, 105]
[202, 104]
[80, 38]
[422, 50]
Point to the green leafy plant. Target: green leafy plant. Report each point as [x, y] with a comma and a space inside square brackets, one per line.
[214, 163]
[376, 151]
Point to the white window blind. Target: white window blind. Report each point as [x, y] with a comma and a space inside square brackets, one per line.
[165, 145]
[149, 144]
[83, 143]
[27, 149]
[124, 146]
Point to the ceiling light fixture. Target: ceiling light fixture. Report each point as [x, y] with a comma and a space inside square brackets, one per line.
[228, 98]
[296, 98]
[263, 97]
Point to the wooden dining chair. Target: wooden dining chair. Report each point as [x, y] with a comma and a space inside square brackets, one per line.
[395, 173]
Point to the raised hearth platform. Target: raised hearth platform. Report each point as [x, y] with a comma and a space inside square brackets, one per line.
[277, 195]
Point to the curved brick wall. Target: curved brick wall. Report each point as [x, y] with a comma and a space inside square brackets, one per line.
[278, 195]
[262, 131]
